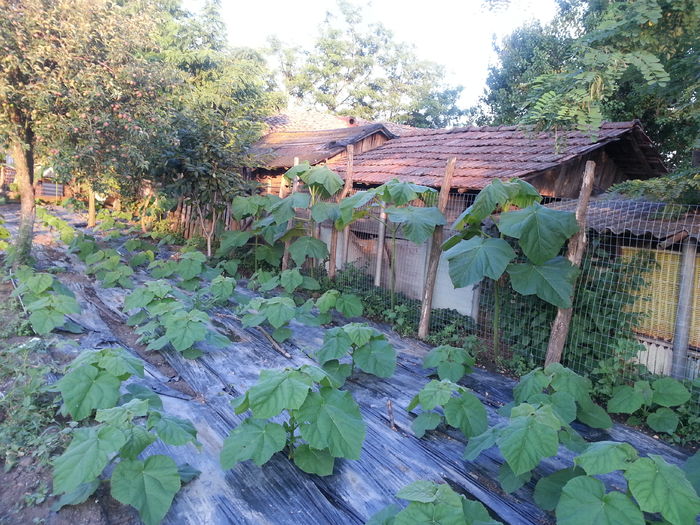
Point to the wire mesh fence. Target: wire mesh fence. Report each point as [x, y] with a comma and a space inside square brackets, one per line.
[629, 320]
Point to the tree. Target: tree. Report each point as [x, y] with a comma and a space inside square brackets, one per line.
[626, 60]
[364, 72]
[57, 56]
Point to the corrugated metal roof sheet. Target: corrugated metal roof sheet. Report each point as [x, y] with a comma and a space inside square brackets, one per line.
[486, 153]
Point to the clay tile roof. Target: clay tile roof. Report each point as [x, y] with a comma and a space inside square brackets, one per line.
[278, 149]
[485, 153]
[297, 119]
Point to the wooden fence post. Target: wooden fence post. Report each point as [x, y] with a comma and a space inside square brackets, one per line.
[333, 251]
[684, 311]
[435, 252]
[577, 245]
[290, 222]
[381, 234]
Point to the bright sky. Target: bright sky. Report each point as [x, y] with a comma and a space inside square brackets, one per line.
[455, 33]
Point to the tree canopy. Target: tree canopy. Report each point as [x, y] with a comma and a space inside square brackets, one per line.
[361, 70]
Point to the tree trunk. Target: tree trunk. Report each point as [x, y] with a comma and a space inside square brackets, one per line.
[92, 216]
[24, 169]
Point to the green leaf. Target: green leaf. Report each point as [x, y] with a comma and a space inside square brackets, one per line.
[466, 413]
[183, 329]
[331, 419]
[452, 363]
[324, 179]
[324, 211]
[484, 205]
[291, 279]
[86, 389]
[349, 305]
[566, 380]
[279, 310]
[187, 472]
[148, 486]
[606, 456]
[327, 301]
[376, 357]
[584, 502]
[663, 420]
[190, 265]
[398, 193]
[420, 491]
[120, 363]
[692, 470]
[625, 400]
[305, 247]
[470, 261]
[548, 488]
[172, 429]
[592, 415]
[336, 344]
[669, 392]
[277, 390]
[137, 440]
[529, 438]
[86, 457]
[386, 516]
[531, 384]
[39, 282]
[45, 320]
[417, 223]
[230, 240]
[478, 444]
[77, 496]
[313, 461]
[509, 481]
[360, 334]
[436, 393]
[552, 281]
[542, 231]
[337, 371]
[254, 439]
[425, 421]
[660, 487]
[120, 415]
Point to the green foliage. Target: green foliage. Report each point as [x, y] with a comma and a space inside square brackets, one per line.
[452, 363]
[369, 349]
[431, 502]
[463, 411]
[326, 419]
[651, 401]
[66, 232]
[92, 385]
[541, 234]
[345, 53]
[47, 299]
[107, 266]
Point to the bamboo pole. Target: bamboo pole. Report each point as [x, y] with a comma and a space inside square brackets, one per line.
[290, 223]
[380, 247]
[333, 252]
[577, 245]
[435, 252]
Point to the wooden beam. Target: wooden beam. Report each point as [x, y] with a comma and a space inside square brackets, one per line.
[435, 252]
[333, 251]
[577, 245]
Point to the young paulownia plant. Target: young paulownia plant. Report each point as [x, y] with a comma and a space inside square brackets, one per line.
[117, 429]
[430, 503]
[321, 422]
[452, 363]
[369, 350]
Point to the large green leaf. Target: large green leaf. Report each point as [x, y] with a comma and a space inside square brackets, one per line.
[305, 247]
[452, 363]
[323, 179]
[279, 310]
[349, 305]
[584, 502]
[336, 344]
[606, 456]
[230, 240]
[190, 265]
[436, 393]
[548, 488]
[566, 380]
[485, 441]
[283, 210]
[466, 413]
[376, 357]
[691, 468]
[625, 400]
[542, 231]
[660, 487]
[86, 457]
[663, 420]
[183, 329]
[592, 414]
[484, 205]
[86, 388]
[45, 320]
[669, 392]
[313, 461]
[148, 486]
[399, 193]
[531, 436]
[532, 383]
[291, 279]
[470, 261]
[360, 334]
[417, 223]
[552, 281]
[331, 419]
[425, 421]
[172, 429]
[277, 390]
[324, 211]
[254, 439]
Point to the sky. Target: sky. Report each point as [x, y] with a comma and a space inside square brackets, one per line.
[455, 33]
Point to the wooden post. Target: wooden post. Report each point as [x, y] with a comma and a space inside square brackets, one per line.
[577, 245]
[684, 311]
[92, 220]
[333, 251]
[435, 252]
[290, 223]
[380, 248]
